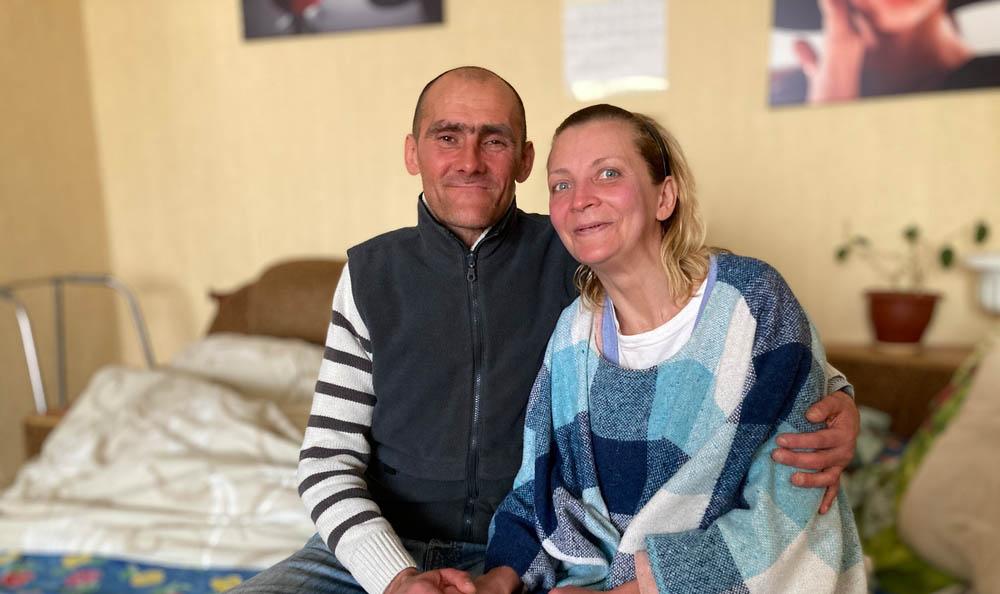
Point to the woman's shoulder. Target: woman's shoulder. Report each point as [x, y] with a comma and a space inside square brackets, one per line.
[738, 268]
[750, 276]
[766, 293]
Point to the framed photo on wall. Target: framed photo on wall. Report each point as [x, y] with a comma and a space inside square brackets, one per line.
[280, 18]
[825, 51]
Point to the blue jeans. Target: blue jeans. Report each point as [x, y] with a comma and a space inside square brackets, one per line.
[314, 569]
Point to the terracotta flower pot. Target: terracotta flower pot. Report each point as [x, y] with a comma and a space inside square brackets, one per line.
[900, 317]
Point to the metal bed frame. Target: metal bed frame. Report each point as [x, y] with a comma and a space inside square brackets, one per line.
[58, 283]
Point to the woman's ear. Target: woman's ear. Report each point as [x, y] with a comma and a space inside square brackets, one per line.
[667, 200]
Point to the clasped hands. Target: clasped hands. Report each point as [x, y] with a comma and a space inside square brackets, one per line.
[500, 580]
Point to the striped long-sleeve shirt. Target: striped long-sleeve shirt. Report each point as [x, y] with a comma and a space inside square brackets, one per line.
[336, 452]
[675, 460]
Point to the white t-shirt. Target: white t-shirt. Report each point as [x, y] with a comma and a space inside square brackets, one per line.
[648, 349]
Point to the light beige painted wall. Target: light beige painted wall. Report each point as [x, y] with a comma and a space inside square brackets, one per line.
[52, 218]
[219, 156]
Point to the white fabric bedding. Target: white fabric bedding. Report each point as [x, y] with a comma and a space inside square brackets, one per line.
[164, 466]
[280, 370]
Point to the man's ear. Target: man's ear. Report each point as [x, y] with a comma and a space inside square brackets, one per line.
[527, 162]
[667, 200]
[410, 155]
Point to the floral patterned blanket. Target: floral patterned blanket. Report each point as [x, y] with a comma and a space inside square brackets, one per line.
[72, 574]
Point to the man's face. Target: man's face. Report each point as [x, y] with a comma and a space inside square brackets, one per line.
[468, 153]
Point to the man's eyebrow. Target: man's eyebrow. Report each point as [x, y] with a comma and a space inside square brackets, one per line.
[501, 129]
[446, 126]
[457, 127]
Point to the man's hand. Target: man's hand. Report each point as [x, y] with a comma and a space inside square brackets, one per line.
[834, 446]
[499, 580]
[437, 581]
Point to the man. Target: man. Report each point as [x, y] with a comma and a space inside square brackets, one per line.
[436, 335]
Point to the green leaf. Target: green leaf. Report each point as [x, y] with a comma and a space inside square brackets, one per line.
[842, 253]
[981, 233]
[911, 233]
[947, 256]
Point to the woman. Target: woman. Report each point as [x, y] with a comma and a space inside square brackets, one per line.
[650, 424]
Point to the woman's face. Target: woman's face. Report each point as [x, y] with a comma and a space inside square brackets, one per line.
[897, 16]
[602, 200]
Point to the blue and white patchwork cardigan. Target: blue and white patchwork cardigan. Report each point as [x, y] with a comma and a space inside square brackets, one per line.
[675, 459]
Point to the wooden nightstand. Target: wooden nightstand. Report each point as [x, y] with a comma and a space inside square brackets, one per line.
[37, 428]
[901, 384]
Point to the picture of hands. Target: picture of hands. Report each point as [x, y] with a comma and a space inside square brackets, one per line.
[825, 51]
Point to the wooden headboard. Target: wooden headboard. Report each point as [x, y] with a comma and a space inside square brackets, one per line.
[291, 299]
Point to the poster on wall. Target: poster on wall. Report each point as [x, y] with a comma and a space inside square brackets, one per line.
[825, 51]
[279, 18]
[614, 46]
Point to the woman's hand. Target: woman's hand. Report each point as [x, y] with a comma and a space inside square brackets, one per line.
[847, 35]
[833, 447]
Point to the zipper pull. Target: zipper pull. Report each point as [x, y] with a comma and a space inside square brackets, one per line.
[471, 270]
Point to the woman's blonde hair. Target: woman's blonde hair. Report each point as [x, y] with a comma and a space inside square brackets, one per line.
[683, 252]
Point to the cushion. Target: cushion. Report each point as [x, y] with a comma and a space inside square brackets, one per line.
[290, 300]
[231, 311]
[294, 299]
[948, 514]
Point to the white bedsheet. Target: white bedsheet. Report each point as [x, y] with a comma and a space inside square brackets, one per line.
[166, 467]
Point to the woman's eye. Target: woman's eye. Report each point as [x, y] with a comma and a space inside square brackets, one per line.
[608, 173]
[560, 186]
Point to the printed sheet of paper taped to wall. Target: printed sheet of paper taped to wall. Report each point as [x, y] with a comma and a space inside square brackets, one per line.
[614, 46]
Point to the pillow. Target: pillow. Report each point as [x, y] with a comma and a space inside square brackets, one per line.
[949, 513]
[281, 370]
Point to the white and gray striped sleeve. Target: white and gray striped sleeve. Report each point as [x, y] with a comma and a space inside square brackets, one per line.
[336, 452]
[836, 381]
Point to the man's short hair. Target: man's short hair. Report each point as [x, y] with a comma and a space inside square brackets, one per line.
[477, 73]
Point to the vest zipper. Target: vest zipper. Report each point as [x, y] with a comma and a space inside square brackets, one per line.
[472, 461]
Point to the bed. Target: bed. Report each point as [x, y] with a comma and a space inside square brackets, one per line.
[179, 478]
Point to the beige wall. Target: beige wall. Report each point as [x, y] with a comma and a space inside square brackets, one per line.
[52, 219]
[218, 156]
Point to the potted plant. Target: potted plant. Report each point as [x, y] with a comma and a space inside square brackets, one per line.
[901, 313]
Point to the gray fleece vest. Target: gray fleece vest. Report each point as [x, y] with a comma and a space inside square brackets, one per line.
[457, 339]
